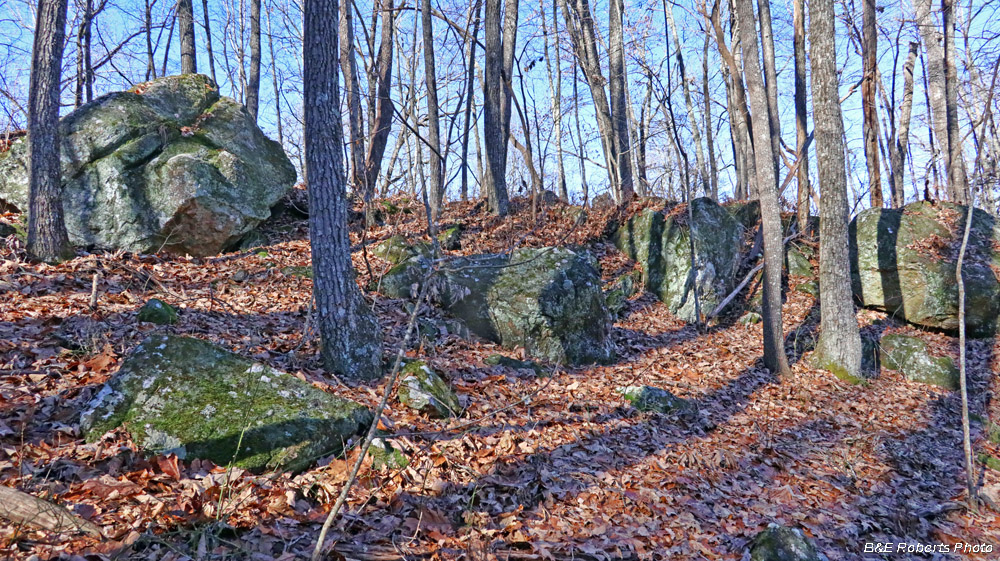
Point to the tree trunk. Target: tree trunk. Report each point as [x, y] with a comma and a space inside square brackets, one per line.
[579, 140]
[902, 139]
[84, 68]
[253, 83]
[617, 89]
[470, 99]
[150, 61]
[350, 334]
[381, 125]
[839, 347]
[741, 124]
[208, 41]
[774, 343]
[801, 123]
[185, 20]
[47, 238]
[957, 182]
[869, 49]
[494, 137]
[436, 193]
[349, 67]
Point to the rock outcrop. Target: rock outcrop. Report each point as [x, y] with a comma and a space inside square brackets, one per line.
[903, 262]
[660, 240]
[546, 300]
[169, 164]
[191, 398]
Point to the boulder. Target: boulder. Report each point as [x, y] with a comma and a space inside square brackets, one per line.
[514, 364]
[157, 311]
[660, 240]
[191, 398]
[397, 249]
[627, 286]
[798, 260]
[422, 389]
[910, 356]
[903, 262]
[649, 398]
[546, 300]
[7, 230]
[169, 164]
[779, 543]
[451, 238]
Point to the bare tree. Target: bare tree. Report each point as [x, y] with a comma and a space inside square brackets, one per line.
[617, 89]
[350, 334]
[496, 103]
[774, 342]
[349, 67]
[699, 154]
[555, 89]
[208, 41]
[47, 238]
[381, 124]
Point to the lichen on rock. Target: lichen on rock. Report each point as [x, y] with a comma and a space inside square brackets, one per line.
[423, 389]
[189, 397]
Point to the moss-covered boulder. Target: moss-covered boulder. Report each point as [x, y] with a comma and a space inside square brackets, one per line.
[649, 398]
[903, 262]
[779, 543]
[514, 364]
[157, 311]
[910, 356]
[189, 397]
[169, 164]
[798, 260]
[547, 300]
[423, 389]
[627, 286]
[660, 240]
[397, 249]
[451, 238]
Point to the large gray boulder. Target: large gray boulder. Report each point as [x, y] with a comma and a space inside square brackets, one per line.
[903, 262]
[547, 300]
[169, 164]
[911, 356]
[660, 240]
[188, 397]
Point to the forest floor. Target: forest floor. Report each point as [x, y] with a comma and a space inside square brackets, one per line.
[538, 467]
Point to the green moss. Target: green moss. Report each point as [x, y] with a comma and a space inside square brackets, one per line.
[186, 396]
[305, 272]
[911, 356]
[831, 366]
[384, 454]
[990, 461]
[422, 389]
[649, 398]
[157, 311]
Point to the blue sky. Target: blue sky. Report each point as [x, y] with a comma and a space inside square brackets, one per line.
[124, 19]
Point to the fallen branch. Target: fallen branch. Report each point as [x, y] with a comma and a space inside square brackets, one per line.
[24, 509]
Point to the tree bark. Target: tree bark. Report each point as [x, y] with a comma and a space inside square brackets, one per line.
[351, 337]
[84, 66]
[957, 182]
[619, 108]
[494, 94]
[869, 49]
[470, 99]
[47, 238]
[839, 347]
[436, 193]
[253, 82]
[713, 167]
[774, 343]
[185, 20]
[801, 122]
[741, 125]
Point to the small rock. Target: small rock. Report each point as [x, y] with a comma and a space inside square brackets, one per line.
[241, 275]
[649, 398]
[6, 230]
[159, 312]
[422, 389]
[779, 543]
[451, 238]
[602, 201]
[397, 249]
[384, 454]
